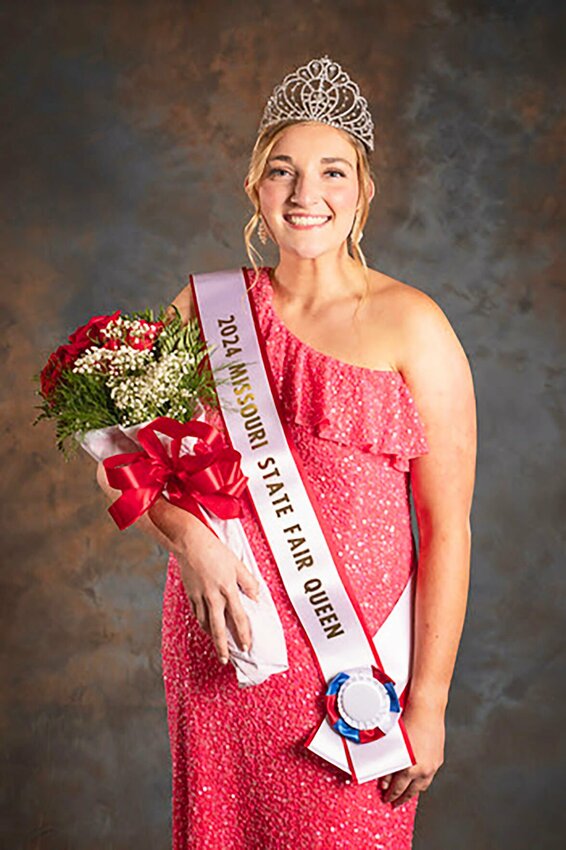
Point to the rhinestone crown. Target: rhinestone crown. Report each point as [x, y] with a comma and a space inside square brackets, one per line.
[320, 91]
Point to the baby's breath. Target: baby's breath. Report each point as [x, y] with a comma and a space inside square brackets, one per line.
[142, 368]
[115, 363]
[158, 388]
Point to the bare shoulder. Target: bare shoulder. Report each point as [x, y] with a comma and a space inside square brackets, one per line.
[400, 299]
[436, 370]
[419, 323]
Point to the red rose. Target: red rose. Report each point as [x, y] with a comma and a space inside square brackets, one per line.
[112, 344]
[64, 357]
[51, 372]
[144, 339]
[89, 334]
[140, 340]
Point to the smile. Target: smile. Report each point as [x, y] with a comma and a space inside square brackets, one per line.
[306, 222]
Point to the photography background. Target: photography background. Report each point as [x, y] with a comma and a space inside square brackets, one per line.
[127, 131]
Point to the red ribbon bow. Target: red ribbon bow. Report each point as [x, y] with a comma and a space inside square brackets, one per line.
[211, 477]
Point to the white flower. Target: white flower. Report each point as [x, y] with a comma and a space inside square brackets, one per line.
[139, 396]
[120, 361]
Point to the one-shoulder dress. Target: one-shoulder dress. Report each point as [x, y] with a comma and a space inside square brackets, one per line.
[242, 778]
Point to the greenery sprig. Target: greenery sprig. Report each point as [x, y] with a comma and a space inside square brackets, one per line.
[126, 384]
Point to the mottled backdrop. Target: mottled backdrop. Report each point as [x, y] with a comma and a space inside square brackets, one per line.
[126, 130]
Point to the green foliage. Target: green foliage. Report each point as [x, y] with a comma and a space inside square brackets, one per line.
[79, 403]
[82, 402]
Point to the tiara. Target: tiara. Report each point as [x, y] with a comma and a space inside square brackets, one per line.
[320, 91]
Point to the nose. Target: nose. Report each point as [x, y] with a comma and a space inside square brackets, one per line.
[305, 191]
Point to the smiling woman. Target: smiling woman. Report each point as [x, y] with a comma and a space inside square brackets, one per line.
[368, 383]
[281, 195]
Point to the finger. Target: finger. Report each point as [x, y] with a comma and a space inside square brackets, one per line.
[399, 782]
[216, 606]
[201, 614]
[239, 622]
[385, 782]
[248, 582]
[410, 791]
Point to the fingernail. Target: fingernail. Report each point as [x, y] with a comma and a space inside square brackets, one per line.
[223, 659]
[245, 647]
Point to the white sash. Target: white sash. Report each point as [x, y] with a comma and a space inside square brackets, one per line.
[316, 583]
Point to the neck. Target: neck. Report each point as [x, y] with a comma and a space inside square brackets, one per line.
[314, 282]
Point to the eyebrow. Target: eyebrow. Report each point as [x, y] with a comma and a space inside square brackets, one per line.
[324, 159]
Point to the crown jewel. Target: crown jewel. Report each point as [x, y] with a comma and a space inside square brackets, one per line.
[320, 91]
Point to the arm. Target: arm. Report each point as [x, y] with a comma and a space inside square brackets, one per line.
[438, 374]
[442, 484]
[173, 528]
[209, 570]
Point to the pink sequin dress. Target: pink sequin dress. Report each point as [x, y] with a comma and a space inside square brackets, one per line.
[242, 777]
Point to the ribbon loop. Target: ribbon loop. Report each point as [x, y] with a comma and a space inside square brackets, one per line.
[210, 477]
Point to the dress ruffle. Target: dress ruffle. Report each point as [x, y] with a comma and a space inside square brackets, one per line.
[377, 413]
[370, 409]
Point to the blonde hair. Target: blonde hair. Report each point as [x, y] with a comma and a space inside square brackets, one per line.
[260, 154]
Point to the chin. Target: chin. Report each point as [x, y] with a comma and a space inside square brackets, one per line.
[309, 252]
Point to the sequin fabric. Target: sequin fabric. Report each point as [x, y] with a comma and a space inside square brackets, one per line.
[242, 777]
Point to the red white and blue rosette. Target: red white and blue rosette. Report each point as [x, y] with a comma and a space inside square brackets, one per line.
[362, 704]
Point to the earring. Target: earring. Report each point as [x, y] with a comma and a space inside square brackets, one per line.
[262, 231]
[360, 237]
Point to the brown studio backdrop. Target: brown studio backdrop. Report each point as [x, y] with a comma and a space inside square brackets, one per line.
[127, 130]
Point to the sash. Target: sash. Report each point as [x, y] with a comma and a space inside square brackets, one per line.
[364, 677]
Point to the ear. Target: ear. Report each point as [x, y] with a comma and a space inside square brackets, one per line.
[372, 190]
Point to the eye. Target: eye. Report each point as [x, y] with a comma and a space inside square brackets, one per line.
[274, 171]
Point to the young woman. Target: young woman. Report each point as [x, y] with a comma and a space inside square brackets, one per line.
[378, 394]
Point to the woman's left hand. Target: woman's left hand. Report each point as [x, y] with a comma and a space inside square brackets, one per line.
[425, 728]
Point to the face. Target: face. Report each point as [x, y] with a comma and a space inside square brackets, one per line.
[309, 190]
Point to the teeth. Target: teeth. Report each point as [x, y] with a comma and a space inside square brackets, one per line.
[304, 219]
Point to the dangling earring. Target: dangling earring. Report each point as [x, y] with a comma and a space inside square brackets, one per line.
[361, 236]
[262, 231]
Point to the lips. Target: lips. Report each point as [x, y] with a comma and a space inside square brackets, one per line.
[306, 222]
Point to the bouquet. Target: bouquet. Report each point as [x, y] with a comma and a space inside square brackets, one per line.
[132, 390]
[125, 370]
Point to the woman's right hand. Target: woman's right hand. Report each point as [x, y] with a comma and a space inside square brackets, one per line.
[210, 571]
[211, 574]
